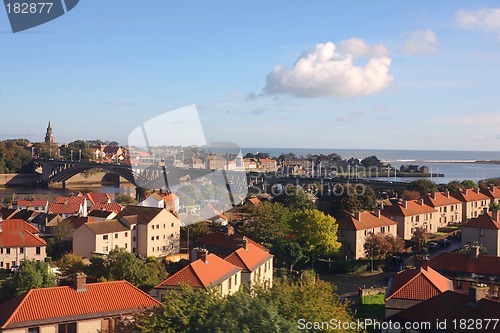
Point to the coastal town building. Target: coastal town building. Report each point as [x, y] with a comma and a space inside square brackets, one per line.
[483, 230]
[493, 192]
[449, 208]
[19, 241]
[412, 214]
[82, 307]
[413, 286]
[469, 269]
[353, 230]
[169, 201]
[474, 203]
[209, 272]
[99, 238]
[35, 205]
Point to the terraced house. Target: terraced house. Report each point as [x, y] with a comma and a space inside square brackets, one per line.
[411, 215]
[19, 241]
[449, 208]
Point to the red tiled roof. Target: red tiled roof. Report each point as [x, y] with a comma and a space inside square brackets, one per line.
[367, 220]
[492, 192]
[417, 284]
[485, 221]
[61, 208]
[249, 259]
[58, 303]
[439, 199]
[469, 195]
[32, 203]
[201, 273]
[413, 207]
[71, 200]
[221, 239]
[17, 233]
[450, 306]
[98, 198]
[110, 207]
[462, 262]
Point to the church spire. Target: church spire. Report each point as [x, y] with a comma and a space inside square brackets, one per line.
[49, 137]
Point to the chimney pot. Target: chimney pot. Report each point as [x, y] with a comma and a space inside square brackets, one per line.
[80, 283]
[201, 254]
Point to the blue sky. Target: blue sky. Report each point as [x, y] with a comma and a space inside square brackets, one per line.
[319, 74]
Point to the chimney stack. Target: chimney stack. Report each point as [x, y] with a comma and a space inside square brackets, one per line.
[244, 243]
[80, 282]
[405, 204]
[421, 202]
[478, 292]
[447, 193]
[474, 251]
[228, 230]
[201, 254]
[357, 216]
[377, 213]
[476, 190]
[433, 195]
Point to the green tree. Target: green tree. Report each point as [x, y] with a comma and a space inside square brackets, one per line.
[32, 274]
[315, 232]
[125, 199]
[198, 230]
[420, 236]
[70, 264]
[423, 186]
[268, 221]
[123, 265]
[294, 198]
[467, 183]
[289, 252]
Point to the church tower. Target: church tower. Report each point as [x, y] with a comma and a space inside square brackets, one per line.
[49, 137]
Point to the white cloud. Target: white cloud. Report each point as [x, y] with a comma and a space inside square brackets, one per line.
[330, 71]
[421, 42]
[484, 19]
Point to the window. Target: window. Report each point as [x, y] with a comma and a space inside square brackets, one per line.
[133, 239]
[105, 249]
[163, 225]
[153, 238]
[7, 250]
[38, 250]
[153, 249]
[116, 235]
[481, 232]
[21, 250]
[126, 234]
[1, 250]
[382, 229]
[157, 237]
[134, 227]
[66, 328]
[172, 224]
[126, 245]
[157, 226]
[164, 237]
[229, 283]
[34, 330]
[105, 237]
[152, 226]
[495, 291]
[116, 246]
[172, 235]
[133, 250]
[157, 248]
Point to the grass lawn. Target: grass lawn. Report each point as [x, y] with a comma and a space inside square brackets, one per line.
[372, 306]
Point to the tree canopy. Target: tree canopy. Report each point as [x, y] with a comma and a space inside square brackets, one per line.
[423, 186]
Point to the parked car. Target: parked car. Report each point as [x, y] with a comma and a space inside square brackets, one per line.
[444, 242]
[432, 246]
